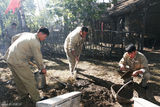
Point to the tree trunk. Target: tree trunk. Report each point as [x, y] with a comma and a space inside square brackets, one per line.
[22, 20]
[2, 25]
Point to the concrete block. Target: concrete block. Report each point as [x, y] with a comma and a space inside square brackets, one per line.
[140, 102]
[71, 99]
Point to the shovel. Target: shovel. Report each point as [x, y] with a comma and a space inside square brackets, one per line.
[59, 81]
[66, 85]
[75, 71]
[40, 79]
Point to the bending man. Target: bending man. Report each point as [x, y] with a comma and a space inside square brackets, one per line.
[25, 46]
[73, 46]
[135, 63]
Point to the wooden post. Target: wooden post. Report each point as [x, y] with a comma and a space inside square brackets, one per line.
[144, 23]
[113, 34]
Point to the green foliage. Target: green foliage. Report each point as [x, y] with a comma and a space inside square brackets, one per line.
[78, 12]
[6, 19]
[56, 13]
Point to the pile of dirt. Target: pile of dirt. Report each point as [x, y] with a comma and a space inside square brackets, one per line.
[96, 96]
[92, 95]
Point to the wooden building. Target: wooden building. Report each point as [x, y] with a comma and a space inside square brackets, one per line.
[137, 19]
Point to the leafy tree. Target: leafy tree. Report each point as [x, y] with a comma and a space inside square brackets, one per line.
[78, 12]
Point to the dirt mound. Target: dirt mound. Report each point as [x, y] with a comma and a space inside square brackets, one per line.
[96, 96]
[92, 95]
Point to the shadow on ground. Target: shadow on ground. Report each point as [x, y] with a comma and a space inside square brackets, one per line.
[8, 95]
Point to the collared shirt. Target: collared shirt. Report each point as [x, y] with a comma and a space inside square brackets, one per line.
[74, 41]
[139, 62]
[25, 46]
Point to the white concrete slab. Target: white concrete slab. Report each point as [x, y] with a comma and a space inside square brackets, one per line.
[66, 100]
[140, 102]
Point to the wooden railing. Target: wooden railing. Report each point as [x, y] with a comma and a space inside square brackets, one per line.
[102, 44]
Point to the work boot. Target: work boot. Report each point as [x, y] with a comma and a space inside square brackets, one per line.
[24, 97]
[44, 98]
[25, 100]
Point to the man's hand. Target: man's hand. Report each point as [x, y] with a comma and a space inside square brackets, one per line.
[73, 52]
[77, 58]
[44, 71]
[135, 73]
[122, 68]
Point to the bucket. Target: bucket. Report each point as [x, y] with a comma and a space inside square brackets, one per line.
[123, 95]
[40, 79]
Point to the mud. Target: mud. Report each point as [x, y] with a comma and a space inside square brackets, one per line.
[95, 79]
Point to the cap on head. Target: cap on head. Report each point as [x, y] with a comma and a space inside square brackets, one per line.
[44, 30]
[130, 48]
[84, 29]
[14, 24]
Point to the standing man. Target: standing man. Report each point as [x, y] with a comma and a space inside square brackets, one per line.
[73, 46]
[135, 63]
[25, 46]
[9, 32]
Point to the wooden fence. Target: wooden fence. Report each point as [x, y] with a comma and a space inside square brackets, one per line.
[101, 44]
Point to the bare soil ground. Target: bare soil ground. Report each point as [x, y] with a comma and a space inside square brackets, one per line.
[95, 78]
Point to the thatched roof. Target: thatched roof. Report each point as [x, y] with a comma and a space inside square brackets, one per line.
[126, 7]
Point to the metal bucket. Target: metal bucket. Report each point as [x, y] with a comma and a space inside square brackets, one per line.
[40, 79]
[120, 96]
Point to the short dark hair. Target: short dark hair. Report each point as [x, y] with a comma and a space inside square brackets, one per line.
[14, 24]
[84, 29]
[44, 30]
[130, 48]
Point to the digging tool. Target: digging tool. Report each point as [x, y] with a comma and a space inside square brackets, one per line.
[66, 85]
[73, 76]
[127, 74]
[40, 79]
[59, 81]
[75, 71]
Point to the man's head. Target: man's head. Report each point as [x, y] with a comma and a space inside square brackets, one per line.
[131, 49]
[14, 25]
[84, 31]
[42, 33]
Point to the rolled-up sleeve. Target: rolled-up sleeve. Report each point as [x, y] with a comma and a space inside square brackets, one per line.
[37, 54]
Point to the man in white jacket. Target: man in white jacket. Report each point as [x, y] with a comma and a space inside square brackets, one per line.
[73, 46]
